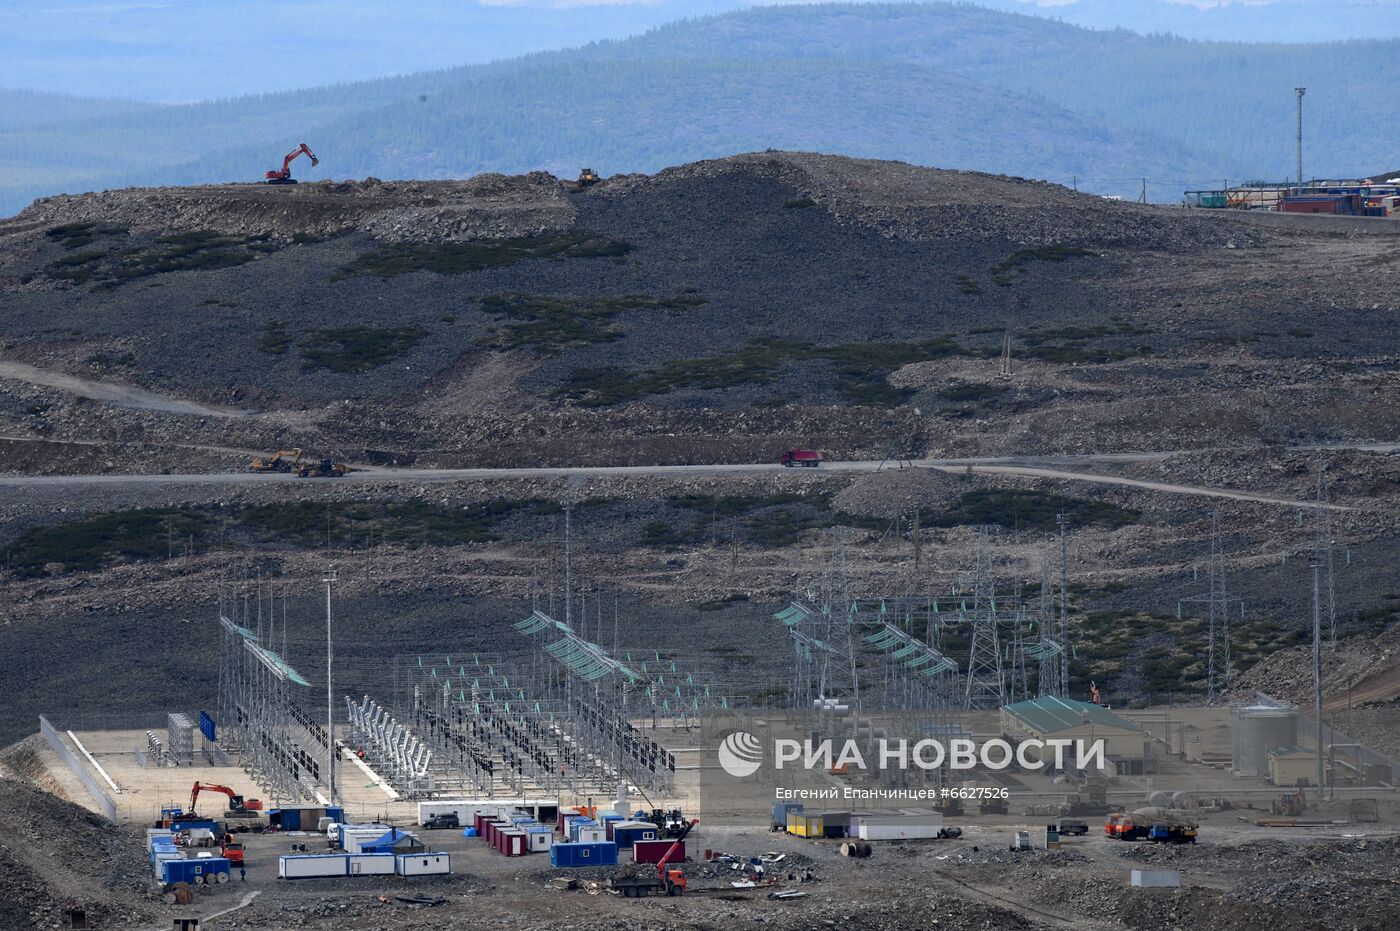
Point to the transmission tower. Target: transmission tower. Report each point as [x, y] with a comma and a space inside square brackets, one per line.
[1062, 520]
[1323, 554]
[985, 686]
[1218, 604]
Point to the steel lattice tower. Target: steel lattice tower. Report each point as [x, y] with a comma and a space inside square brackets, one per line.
[985, 686]
[1218, 604]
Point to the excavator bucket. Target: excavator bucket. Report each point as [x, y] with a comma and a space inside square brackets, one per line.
[315, 161]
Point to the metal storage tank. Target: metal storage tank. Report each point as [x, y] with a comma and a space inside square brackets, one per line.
[1258, 728]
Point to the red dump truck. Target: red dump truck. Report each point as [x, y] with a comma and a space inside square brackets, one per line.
[801, 457]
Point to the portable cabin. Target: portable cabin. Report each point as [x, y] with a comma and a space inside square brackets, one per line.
[591, 835]
[513, 842]
[539, 837]
[304, 818]
[626, 833]
[802, 824]
[369, 864]
[204, 870]
[312, 865]
[422, 864]
[577, 855]
[780, 813]
[899, 826]
[579, 824]
[393, 841]
[651, 851]
[354, 837]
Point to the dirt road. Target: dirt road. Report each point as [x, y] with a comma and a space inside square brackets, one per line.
[111, 392]
[1050, 467]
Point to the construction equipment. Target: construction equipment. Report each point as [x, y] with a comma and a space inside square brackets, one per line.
[951, 807]
[284, 176]
[994, 806]
[801, 457]
[670, 822]
[1095, 696]
[1290, 805]
[671, 882]
[238, 807]
[1166, 830]
[587, 177]
[232, 851]
[284, 460]
[321, 468]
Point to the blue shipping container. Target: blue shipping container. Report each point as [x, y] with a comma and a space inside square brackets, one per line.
[603, 853]
[206, 726]
[192, 871]
[780, 812]
[626, 834]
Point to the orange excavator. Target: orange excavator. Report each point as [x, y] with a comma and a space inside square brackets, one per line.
[238, 807]
[274, 176]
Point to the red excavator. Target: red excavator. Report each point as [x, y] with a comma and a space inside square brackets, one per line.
[273, 176]
[237, 806]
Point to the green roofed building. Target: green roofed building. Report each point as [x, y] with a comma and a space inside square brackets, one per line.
[1053, 718]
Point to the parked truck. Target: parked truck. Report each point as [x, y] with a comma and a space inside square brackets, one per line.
[801, 457]
[668, 882]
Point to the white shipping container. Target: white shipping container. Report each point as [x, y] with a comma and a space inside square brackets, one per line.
[308, 865]
[355, 836]
[1157, 879]
[899, 827]
[370, 864]
[423, 864]
[592, 835]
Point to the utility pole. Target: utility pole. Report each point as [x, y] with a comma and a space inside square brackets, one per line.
[569, 564]
[1317, 667]
[1005, 373]
[1063, 521]
[1300, 91]
[329, 580]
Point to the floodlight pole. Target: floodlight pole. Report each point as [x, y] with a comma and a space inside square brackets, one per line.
[329, 580]
[1300, 91]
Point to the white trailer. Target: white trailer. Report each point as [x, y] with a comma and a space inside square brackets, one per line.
[354, 836]
[370, 864]
[898, 827]
[422, 864]
[310, 865]
[466, 809]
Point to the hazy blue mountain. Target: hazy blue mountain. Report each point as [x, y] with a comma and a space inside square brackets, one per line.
[952, 85]
[1238, 21]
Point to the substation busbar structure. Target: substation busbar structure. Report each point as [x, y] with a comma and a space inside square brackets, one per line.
[262, 719]
[562, 715]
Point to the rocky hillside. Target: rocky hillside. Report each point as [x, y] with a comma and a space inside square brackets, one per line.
[718, 310]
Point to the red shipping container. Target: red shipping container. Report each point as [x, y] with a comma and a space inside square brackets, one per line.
[651, 851]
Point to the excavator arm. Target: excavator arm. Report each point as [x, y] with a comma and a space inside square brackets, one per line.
[235, 801]
[291, 156]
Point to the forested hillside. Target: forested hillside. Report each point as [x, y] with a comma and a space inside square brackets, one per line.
[940, 84]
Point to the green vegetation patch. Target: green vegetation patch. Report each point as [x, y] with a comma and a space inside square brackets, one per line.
[197, 250]
[1004, 272]
[967, 285]
[975, 392]
[1077, 345]
[90, 543]
[457, 258]
[101, 540]
[275, 338]
[549, 325]
[76, 235]
[411, 523]
[799, 203]
[860, 370]
[358, 348]
[1029, 510]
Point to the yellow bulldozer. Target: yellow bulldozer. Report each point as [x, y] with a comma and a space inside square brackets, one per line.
[295, 462]
[284, 460]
